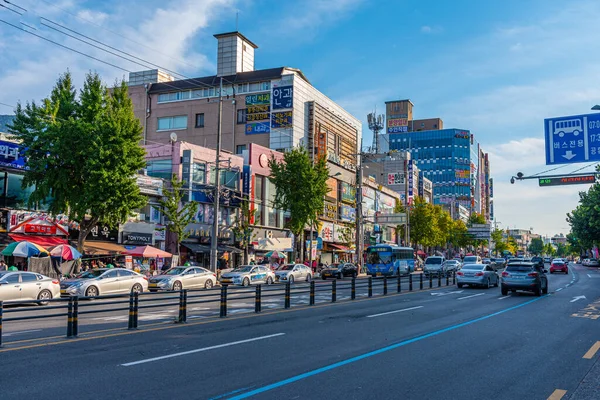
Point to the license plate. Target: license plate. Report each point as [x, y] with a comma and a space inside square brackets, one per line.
[378, 274]
[63, 291]
[226, 280]
[517, 277]
[152, 285]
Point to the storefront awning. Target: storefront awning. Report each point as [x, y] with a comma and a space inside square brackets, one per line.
[337, 247]
[42, 240]
[203, 248]
[102, 248]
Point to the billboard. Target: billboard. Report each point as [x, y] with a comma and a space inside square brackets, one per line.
[347, 213]
[282, 119]
[395, 178]
[348, 194]
[572, 139]
[397, 125]
[283, 97]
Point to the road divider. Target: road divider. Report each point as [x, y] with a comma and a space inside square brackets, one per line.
[393, 312]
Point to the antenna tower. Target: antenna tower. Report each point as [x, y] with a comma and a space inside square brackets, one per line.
[376, 124]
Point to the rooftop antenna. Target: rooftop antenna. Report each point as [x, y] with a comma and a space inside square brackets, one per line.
[237, 14]
[376, 125]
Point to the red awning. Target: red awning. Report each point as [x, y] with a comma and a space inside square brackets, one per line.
[338, 246]
[44, 241]
[421, 253]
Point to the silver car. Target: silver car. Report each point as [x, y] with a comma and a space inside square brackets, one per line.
[178, 278]
[434, 265]
[293, 272]
[524, 276]
[249, 274]
[452, 265]
[27, 286]
[103, 281]
[477, 275]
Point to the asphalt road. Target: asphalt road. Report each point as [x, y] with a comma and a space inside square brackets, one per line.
[440, 344]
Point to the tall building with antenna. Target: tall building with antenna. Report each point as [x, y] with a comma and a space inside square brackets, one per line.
[376, 123]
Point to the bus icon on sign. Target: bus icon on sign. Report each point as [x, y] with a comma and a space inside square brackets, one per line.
[561, 128]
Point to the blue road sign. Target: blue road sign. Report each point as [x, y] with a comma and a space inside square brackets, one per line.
[572, 139]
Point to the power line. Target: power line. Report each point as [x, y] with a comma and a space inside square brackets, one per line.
[10, 9]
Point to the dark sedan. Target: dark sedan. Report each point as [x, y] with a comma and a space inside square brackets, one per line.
[339, 271]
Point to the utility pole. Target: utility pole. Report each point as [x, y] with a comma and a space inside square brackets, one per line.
[359, 212]
[217, 197]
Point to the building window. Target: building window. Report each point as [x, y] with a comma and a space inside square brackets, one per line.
[242, 88]
[168, 123]
[241, 116]
[239, 149]
[199, 173]
[159, 169]
[173, 96]
[200, 120]
[258, 199]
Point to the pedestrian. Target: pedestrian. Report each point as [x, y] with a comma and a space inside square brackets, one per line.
[3, 266]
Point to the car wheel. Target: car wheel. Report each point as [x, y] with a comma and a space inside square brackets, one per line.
[460, 285]
[291, 279]
[92, 291]
[177, 286]
[208, 284]
[137, 288]
[545, 289]
[488, 284]
[551, 272]
[246, 282]
[44, 296]
[323, 277]
[497, 282]
[269, 280]
[308, 278]
[504, 291]
[538, 291]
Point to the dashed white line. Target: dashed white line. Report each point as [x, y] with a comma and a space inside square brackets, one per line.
[559, 289]
[20, 332]
[393, 312]
[468, 297]
[503, 297]
[589, 276]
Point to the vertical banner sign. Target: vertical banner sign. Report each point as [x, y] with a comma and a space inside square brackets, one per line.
[186, 167]
[246, 177]
[258, 109]
[321, 140]
[410, 181]
[491, 187]
[283, 97]
[129, 262]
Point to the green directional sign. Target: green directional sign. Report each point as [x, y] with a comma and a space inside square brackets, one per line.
[568, 180]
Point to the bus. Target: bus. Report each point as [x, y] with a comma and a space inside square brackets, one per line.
[389, 260]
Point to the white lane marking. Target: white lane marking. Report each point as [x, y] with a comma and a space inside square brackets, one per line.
[473, 295]
[20, 332]
[184, 353]
[578, 298]
[503, 297]
[559, 289]
[393, 312]
[589, 276]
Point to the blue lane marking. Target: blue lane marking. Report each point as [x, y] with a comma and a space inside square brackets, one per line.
[221, 396]
[375, 352]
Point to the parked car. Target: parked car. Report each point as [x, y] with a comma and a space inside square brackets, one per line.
[101, 281]
[339, 271]
[452, 265]
[559, 265]
[178, 278]
[487, 261]
[524, 276]
[293, 272]
[434, 265]
[249, 274]
[472, 260]
[27, 286]
[498, 263]
[592, 262]
[477, 275]
[539, 261]
[585, 262]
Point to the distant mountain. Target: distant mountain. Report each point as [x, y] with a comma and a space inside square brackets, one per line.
[5, 120]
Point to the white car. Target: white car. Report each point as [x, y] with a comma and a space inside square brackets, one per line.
[178, 278]
[103, 281]
[293, 272]
[249, 275]
[26, 286]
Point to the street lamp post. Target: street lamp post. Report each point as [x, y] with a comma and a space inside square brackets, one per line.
[217, 197]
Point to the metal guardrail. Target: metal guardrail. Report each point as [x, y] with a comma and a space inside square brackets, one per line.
[134, 302]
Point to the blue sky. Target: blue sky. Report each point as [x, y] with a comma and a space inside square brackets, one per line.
[497, 68]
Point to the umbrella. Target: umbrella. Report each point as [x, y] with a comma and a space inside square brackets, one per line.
[276, 254]
[65, 252]
[147, 252]
[23, 249]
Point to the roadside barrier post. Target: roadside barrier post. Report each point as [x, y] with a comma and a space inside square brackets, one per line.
[448, 279]
[370, 286]
[136, 307]
[180, 318]
[333, 291]
[1, 310]
[130, 322]
[257, 299]
[410, 279]
[353, 289]
[223, 311]
[454, 277]
[384, 285]
[70, 318]
[287, 295]
[420, 281]
[430, 281]
[75, 315]
[183, 306]
[440, 279]
[399, 284]
[312, 293]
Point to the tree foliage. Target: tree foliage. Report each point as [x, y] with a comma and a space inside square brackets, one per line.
[585, 220]
[83, 152]
[422, 223]
[300, 188]
[178, 214]
[500, 245]
[537, 246]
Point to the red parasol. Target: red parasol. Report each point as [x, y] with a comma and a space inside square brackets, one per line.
[147, 252]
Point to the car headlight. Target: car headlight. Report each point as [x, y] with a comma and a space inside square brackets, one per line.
[77, 285]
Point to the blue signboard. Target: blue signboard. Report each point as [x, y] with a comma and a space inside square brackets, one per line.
[257, 127]
[347, 213]
[11, 156]
[572, 139]
[283, 97]
[246, 178]
[282, 119]
[397, 129]
[410, 180]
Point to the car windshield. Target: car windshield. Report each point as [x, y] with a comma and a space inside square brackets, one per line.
[472, 266]
[94, 273]
[378, 257]
[175, 271]
[287, 267]
[247, 268]
[433, 260]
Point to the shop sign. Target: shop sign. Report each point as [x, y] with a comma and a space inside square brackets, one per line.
[348, 193]
[3, 220]
[410, 180]
[332, 184]
[347, 213]
[11, 156]
[327, 231]
[321, 133]
[329, 210]
[137, 238]
[426, 185]
[40, 229]
[149, 185]
[257, 127]
[395, 178]
[261, 98]
[18, 217]
[368, 192]
[160, 233]
[98, 233]
[246, 179]
[281, 119]
[283, 97]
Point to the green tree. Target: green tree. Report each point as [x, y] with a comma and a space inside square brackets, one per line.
[400, 231]
[422, 223]
[178, 214]
[83, 152]
[549, 250]
[459, 236]
[243, 228]
[537, 246]
[499, 243]
[561, 250]
[443, 224]
[585, 219]
[300, 188]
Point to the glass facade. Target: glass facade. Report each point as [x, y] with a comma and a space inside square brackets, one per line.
[448, 157]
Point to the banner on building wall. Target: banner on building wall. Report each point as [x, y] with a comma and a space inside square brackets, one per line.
[368, 192]
[347, 213]
[283, 97]
[397, 125]
[187, 163]
[395, 178]
[258, 127]
[11, 156]
[329, 210]
[246, 178]
[281, 119]
[491, 187]
[332, 184]
[326, 231]
[348, 194]
[410, 181]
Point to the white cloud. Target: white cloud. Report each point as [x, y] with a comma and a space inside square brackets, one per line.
[426, 29]
[97, 17]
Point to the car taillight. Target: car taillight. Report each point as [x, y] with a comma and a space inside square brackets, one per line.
[533, 274]
[505, 273]
[479, 274]
[459, 273]
[56, 281]
[215, 275]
